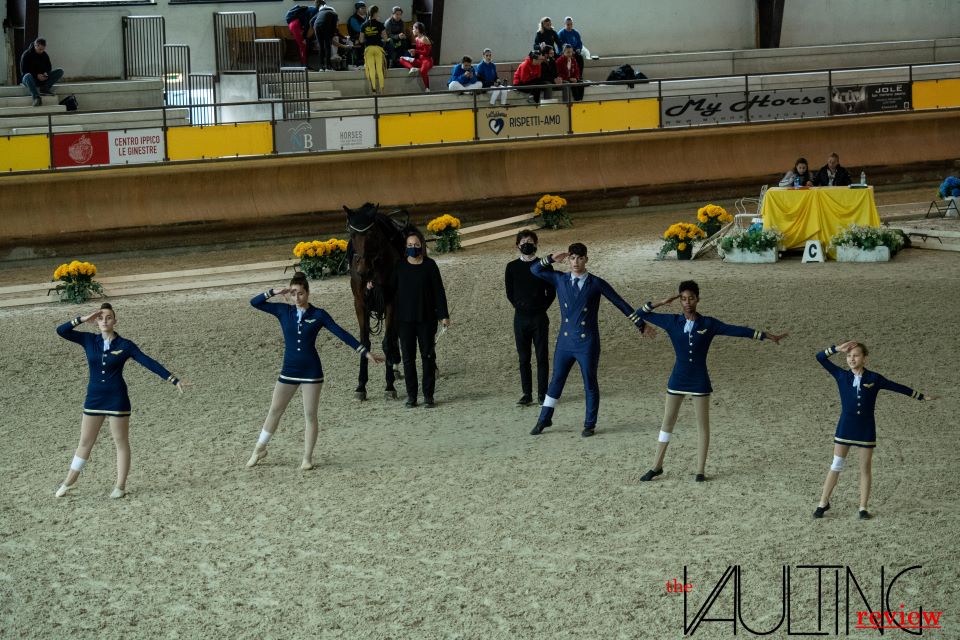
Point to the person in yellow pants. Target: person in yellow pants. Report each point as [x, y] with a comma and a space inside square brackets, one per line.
[374, 60]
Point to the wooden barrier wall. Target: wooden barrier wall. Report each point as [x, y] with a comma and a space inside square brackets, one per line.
[50, 204]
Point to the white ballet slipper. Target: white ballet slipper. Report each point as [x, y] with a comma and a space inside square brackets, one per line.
[118, 492]
[259, 453]
[306, 465]
[63, 489]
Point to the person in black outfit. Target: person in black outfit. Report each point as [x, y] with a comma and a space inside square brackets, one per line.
[37, 73]
[546, 35]
[324, 28]
[421, 303]
[531, 297]
[832, 174]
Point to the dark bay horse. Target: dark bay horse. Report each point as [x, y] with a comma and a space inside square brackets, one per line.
[377, 244]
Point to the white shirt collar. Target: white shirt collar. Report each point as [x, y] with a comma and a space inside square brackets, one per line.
[300, 313]
[530, 258]
[856, 381]
[582, 278]
[106, 343]
[688, 326]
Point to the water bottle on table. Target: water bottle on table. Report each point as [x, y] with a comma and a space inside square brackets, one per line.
[863, 178]
[796, 182]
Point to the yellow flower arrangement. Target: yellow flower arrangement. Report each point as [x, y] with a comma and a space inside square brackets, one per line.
[76, 281]
[553, 211]
[712, 217]
[680, 237]
[446, 227]
[318, 257]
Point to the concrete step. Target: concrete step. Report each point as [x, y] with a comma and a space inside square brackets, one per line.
[98, 126]
[26, 100]
[96, 121]
[321, 85]
[32, 111]
[337, 113]
[63, 128]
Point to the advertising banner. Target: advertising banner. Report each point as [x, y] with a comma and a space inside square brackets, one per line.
[358, 132]
[717, 108]
[134, 146]
[866, 98]
[522, 122]
[298, 136]
[81, 149]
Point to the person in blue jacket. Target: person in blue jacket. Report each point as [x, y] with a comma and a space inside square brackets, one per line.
[464, 76]
[106, 352]
[301, 323]
[570, 36]
[578, 336]
[858, 388]
[487, 74]
[691, 335]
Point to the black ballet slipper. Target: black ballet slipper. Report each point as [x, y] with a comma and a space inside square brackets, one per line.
[651, 474]
[819, 511]
[540, 426]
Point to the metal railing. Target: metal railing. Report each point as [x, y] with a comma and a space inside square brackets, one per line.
[143, 40]
[203, 99]
[294, 92]
[176, 74]
[234, 33]
[269, 58]
[653, 89]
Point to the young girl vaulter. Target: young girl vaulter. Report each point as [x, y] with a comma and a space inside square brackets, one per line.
[301, 324]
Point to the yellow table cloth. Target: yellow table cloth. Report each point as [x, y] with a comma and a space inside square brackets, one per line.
[817, 213]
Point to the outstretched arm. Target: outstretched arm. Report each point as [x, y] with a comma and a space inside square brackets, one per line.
[347, 338]
[610, 294]
[890, 385]
[737, 331]
[150, 364]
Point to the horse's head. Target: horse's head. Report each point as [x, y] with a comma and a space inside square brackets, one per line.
[367, 245]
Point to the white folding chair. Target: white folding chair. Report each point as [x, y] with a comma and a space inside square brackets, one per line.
[743, 218]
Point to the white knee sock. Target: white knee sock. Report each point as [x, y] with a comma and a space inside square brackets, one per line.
[264, 437]
[549, 402]
[77, 464]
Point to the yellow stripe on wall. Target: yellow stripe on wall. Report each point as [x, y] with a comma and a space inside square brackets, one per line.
[936, 94]
[401, 129]
[24, 153]
[616, 115]
[220, 141]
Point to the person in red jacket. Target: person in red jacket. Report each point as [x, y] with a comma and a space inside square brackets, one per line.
[421, 56]
[569, 72]
[529, 74]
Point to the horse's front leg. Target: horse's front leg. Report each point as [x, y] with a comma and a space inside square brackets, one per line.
[363, 320]
[391, 350]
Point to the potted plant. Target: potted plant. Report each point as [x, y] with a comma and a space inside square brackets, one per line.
[553, 212]
[445, 228]
[755, 245]
[866, 244]
[711, 218]
[75, 282]
[680, 237]
[322, 257]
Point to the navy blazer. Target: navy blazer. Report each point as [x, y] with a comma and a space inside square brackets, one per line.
[857, 425]
[579, 329]
[689, 374]
[301, 362]
[107, 390]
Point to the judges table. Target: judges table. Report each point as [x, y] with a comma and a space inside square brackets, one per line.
[817, 213]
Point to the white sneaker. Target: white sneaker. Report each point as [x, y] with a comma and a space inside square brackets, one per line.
[63, 489]
[259, 453]
[413, 71]
[426, 89]
[118, 492]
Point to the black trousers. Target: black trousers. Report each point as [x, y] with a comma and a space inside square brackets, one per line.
[540, 85]
[411, 335]
[324, 43]
[535, 330]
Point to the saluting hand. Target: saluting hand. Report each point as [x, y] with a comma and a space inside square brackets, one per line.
[93, 317]
[776, 338]
[846, 346]
[281, 292]
[560, 257]
[182, 385]
[666, 301]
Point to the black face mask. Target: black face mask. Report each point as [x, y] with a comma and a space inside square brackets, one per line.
[414, 252]
[528, 249]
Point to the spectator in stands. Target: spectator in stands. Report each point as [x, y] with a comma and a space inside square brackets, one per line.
[487, 74]
[570, 36]
[568, 72]
[421, 56]
[354, 25]
[299, 19]
[324, 30]
[548, 71]
[372, 32]
[528, 74]
[800, 170]
[464, 76]
[832, 174]
[546, 35]
[38, 74]
[340, 52]
[396, 37]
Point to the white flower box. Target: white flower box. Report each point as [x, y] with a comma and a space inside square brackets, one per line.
[856, 254]
[766, 256]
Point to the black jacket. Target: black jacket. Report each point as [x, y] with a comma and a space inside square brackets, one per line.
[34, 63]
[841, 179]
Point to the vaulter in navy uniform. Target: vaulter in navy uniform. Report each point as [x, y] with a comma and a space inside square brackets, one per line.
[691, 335]
[531, 297]
[578, 337]
[106, 352]
[858, 388]
[301, 323]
